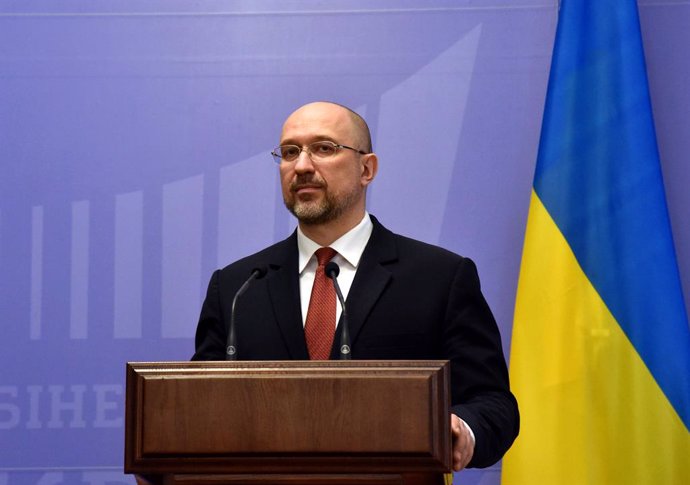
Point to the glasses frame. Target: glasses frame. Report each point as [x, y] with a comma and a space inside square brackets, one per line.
[307, 148]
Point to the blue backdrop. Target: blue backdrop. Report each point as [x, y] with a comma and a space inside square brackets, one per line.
[134, 160]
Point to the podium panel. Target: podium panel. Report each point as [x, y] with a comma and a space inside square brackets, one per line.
[271, 422]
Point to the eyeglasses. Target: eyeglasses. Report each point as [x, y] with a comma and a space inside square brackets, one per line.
[317, 151]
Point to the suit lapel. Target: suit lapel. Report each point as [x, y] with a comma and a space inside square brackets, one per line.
[283, 288]
[371, 278]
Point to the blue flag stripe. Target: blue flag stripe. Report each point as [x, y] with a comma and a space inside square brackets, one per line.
[600, 180]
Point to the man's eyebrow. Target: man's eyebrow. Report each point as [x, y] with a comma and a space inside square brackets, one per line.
[311, 139]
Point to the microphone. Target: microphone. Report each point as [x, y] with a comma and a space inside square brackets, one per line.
[231, 344]
[332, 271]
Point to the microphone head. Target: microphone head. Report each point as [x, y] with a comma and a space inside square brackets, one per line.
[332, 270]
[260, 271]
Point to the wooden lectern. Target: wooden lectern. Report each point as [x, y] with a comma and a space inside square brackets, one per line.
[293, 422]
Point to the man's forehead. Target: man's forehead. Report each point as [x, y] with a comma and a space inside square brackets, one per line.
[315, 119]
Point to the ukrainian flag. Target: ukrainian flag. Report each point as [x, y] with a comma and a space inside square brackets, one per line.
[600, 359]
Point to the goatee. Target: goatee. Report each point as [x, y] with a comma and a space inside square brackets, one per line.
[319, 211]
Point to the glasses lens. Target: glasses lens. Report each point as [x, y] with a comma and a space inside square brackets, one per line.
[323, 149]
[289, 153]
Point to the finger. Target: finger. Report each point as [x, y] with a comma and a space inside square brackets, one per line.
[462, 449]
[455, 426]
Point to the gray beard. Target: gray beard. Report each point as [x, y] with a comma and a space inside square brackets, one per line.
[313, 213]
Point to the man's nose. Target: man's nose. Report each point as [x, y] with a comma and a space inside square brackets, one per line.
[304, 163]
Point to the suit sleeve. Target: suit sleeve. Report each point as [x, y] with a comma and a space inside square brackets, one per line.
[210, 332]
[479, 377]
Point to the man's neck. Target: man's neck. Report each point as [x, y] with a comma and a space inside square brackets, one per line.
[324, 234]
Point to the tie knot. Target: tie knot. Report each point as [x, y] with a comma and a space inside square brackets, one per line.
[324, 255]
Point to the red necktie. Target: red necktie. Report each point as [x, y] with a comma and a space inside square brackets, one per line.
[320, 325]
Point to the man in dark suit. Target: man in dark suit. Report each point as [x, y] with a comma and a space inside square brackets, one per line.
[405, 299]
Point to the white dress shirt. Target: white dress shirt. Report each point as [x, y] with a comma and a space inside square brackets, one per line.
[349, 246]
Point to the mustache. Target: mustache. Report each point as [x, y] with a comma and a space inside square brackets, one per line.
[307, 180]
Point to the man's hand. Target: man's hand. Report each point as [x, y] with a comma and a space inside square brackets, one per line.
[463, 443]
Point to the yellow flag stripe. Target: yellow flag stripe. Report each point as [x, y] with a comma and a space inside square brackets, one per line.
[591, 411]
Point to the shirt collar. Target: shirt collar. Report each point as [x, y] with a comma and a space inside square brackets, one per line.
[349, 246]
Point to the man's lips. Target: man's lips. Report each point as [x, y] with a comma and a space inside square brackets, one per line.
[304, 188]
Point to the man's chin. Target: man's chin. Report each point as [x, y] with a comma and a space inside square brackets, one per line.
[311, 214]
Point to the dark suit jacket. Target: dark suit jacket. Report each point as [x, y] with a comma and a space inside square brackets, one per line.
[409, 300]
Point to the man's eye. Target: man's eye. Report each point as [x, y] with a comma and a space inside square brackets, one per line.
[290, 152]
[323, 149]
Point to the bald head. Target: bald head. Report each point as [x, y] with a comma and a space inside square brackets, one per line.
[361, 127]
[337, 115]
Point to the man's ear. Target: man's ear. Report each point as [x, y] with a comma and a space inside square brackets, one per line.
[370, 165]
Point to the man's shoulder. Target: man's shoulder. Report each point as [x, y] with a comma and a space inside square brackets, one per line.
[407, 247]
[416, 246]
